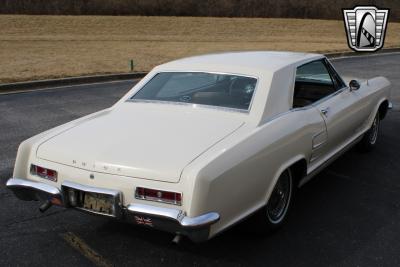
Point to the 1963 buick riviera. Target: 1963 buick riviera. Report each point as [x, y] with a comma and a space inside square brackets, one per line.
[203, 142]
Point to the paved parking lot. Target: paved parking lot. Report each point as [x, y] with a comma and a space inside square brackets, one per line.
[349, 215]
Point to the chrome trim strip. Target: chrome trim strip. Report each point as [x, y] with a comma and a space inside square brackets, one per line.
[316, 146]
[17, 183]
[91, 189]
[334, 69]
[246, 111]
[200, 105]
[312, 158]
[316, 103]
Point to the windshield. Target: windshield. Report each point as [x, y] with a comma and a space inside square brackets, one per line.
[222, 90]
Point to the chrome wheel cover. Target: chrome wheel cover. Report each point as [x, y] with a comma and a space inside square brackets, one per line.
[279, 200]
[374, 130]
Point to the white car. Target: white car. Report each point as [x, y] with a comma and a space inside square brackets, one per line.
[203, 142]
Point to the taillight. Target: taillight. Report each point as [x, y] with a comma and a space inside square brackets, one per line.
[44, 173]
[158, 195]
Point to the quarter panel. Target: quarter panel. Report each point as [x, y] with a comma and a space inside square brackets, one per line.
[236, 177]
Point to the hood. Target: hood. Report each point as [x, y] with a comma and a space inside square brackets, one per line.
[141, 140]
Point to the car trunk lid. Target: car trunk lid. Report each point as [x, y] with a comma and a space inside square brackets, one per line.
[141, 140]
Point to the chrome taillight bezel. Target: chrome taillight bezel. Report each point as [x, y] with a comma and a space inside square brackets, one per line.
[44, 173]
[140, 193]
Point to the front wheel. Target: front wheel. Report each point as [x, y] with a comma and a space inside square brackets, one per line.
[274, 214]
[368, 142]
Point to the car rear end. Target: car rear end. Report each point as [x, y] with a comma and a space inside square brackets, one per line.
[148, 203]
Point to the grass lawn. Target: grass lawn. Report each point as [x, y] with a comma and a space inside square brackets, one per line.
[39, 47]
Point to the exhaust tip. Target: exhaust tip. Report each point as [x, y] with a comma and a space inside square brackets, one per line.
[45, 206]
[177, 239]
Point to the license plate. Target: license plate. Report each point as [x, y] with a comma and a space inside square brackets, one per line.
[98, 202]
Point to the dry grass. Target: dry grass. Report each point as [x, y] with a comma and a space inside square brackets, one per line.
[37, 47]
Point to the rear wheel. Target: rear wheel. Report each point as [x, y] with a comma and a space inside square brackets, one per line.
[274, 214]
[368, 142]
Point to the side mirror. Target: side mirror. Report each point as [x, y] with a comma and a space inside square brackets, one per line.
[354, 85]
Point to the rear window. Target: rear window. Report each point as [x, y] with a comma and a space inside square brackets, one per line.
[222, 90]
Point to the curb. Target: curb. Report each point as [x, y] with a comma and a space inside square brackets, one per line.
[31, 85]
[357, 54]
[42, 84]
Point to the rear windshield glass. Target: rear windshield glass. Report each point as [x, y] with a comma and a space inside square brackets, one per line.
[222, 90]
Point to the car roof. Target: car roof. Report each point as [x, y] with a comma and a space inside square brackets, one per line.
[246, 62]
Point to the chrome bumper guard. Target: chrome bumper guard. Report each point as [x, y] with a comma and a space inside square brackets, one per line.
[166, 219]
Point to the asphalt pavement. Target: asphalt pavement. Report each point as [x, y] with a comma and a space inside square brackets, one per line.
[349, 215]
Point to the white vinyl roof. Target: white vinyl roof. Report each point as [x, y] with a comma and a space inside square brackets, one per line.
[275, 72]
[249, 62]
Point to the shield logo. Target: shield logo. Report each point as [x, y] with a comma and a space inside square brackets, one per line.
[365, 27]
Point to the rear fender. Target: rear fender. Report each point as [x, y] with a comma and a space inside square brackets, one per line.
[286, 165]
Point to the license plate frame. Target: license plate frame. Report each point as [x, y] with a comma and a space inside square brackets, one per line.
[94, 200]
[98, 203]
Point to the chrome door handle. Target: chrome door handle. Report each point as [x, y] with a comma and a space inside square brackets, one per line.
[325, 111]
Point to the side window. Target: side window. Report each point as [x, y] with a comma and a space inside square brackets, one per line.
[339, 83]
[313, 82]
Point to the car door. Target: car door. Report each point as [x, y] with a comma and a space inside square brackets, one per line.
[318, 84]
[359, 109]
[344, 113]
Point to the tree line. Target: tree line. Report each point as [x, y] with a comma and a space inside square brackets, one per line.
[316, 9]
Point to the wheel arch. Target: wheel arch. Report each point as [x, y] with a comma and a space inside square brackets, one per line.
[299, 171]
[298, 168]
[383, 108]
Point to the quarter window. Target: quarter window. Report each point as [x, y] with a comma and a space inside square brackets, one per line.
[313, 82]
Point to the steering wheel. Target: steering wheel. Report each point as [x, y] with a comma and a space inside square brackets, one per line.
[185, 98]
[247, 89]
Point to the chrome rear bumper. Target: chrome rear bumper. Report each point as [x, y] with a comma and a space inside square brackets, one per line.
[29, 190]
[173, 220]
[166, 219]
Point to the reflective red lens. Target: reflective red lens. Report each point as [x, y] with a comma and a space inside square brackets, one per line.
[159, 195]
[40, 170]
[44, 173]
[51, 173]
